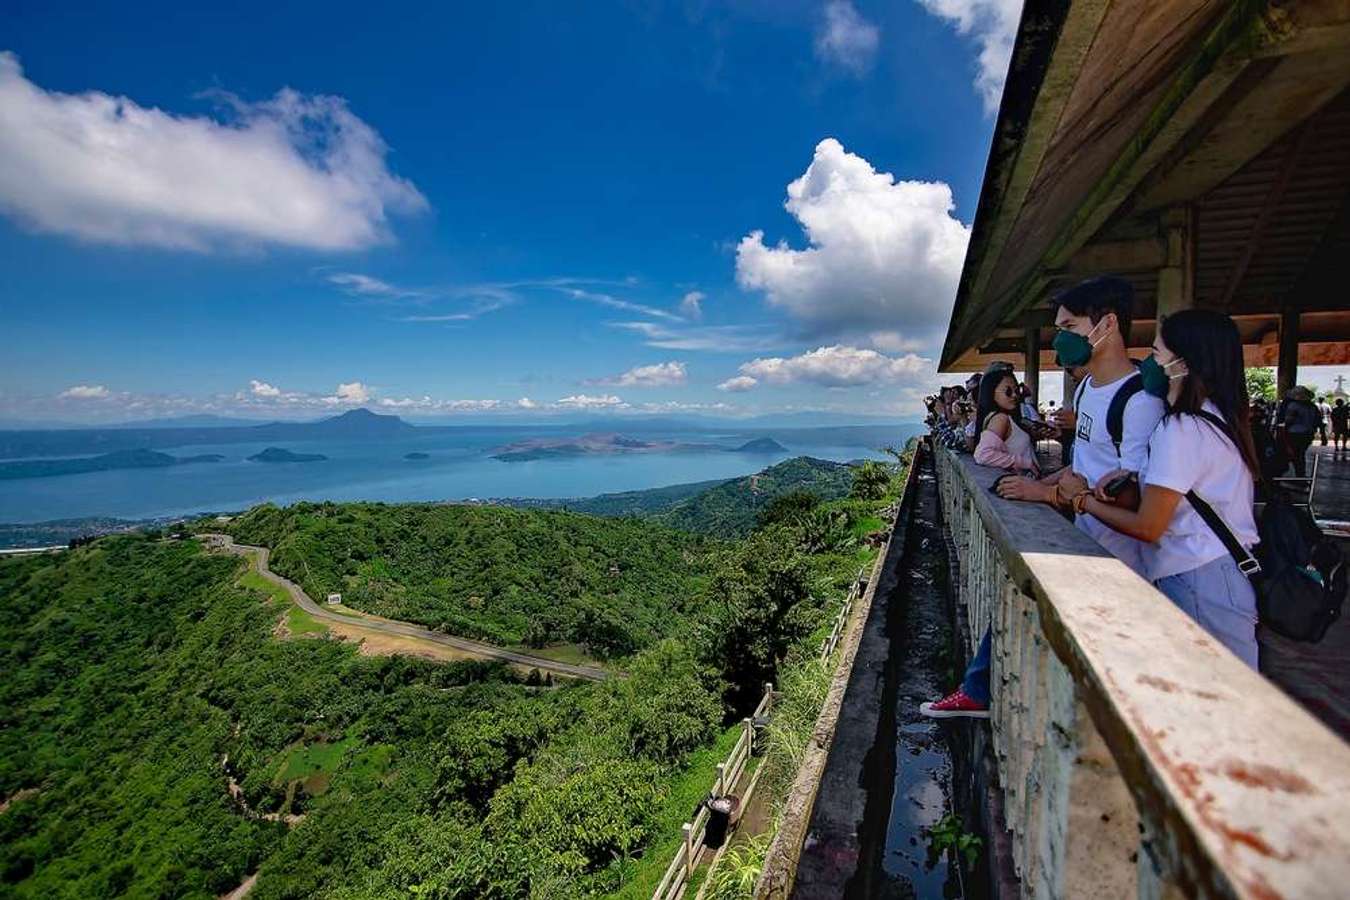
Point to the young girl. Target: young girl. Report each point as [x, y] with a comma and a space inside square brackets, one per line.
[1203, 444]
[1004, 442]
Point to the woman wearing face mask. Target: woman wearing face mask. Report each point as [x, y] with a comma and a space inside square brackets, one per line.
[1003, 442]
[1203, 444]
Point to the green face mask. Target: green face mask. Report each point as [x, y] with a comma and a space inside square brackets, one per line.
[1072, 349]
[1155, 377]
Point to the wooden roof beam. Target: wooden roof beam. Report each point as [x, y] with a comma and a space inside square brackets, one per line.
[1210, 71]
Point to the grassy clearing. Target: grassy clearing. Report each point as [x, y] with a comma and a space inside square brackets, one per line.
[687, 789]
[566, 653]
[302, 623]
[251, 579]
[305, 762]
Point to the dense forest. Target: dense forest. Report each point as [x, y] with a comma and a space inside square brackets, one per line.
[508, 576]
[161, 738]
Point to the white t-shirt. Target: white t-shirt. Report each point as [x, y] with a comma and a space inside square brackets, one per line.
[1094, 454]
[1187, 453]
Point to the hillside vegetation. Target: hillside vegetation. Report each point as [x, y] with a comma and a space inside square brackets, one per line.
[161, 740]
[731, 509]
[508, 576]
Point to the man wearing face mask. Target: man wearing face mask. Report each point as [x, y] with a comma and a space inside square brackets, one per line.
[1114, 416]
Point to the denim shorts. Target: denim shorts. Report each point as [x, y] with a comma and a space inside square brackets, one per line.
[1221, 600]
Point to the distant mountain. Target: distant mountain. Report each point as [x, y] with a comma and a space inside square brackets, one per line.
[280, 455]
[761, 445]
[358, 424]
[118, 459]
[585, 445]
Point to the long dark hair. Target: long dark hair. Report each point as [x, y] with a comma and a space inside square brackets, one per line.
[986, 405]
[1212, 349]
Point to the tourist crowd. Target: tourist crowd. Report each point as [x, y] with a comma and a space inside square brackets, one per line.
[1154, 452]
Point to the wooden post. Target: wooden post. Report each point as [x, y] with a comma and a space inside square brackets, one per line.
[1176, 280]
[1032, 366]
[1287, 376]
[688, 850]
[721, 790]
[749, 736]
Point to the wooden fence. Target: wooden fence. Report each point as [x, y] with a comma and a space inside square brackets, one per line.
[1137, 756]
[855, 590]
[729, 772]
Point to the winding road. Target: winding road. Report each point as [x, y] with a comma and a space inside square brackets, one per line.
[365, 621]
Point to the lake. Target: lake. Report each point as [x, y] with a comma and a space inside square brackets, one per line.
[459, 467]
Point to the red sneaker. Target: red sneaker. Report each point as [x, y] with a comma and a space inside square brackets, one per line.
[955, 705]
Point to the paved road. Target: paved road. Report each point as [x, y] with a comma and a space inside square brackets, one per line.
[391, 626]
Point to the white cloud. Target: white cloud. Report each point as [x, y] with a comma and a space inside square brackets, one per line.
[526, 403]
[665, 374]
[882, 255]
[263, 389]
[691, 305]
[353, 392]
[846, 39]
[738, 384]
[831, 367]
[722, 338]
[617, 303]
[85, 392]
[296, 170]
[585, 401]
[993, 25]
[894, 342]
[365, 286]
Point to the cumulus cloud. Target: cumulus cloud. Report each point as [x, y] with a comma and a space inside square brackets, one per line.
[585, 401]
[738, 384]
[353, 392]
[295, 170]
[691, 305]
[845, 38]
[835, 366]
[993, 25]
[665, 374]
[85, 392]
[882, 255]
[263, 389]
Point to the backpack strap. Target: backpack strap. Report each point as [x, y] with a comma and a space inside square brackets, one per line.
[1247, 563]
[1115, 413]
[1241, 555]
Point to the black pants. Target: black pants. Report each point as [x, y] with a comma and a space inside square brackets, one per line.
[1298, 446]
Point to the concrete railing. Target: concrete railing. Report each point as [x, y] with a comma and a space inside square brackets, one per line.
[729, 772]
[1137, 756]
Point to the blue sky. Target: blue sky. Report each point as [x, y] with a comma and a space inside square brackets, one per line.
[291, 208]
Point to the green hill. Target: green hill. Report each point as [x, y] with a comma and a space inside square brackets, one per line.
[731, 509]
[724, 508]
[504, 575]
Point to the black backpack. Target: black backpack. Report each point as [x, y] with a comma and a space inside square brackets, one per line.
[1298, 573]
[1115, 412]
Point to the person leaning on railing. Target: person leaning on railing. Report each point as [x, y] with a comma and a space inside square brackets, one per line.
[1203, 448]
[1093, 319]
[1003, 442]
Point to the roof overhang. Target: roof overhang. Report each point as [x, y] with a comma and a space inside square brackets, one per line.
[1196, 137]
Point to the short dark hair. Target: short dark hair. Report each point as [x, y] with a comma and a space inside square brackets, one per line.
[1096, 297]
